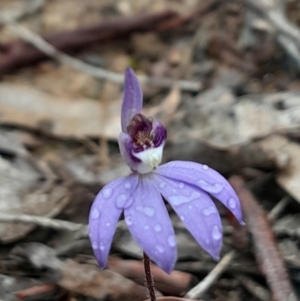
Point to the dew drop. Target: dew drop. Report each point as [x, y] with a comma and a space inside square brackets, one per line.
[195, 195]
[146, 227]
[181, 185]
[107, 224]
[107, 192]
[160, 248]
[231, 203]
[95, 213]
[94, 245]
[205, 167]
[127, 185]
[177, 199]
[209, 210]
[120, 202]
[102, 246]
[128, 202]
[216, 233]
[149, 211]
[210, 187]
[162, 184]
[157, 228]
[128, 220]
[190, 207]
[172, 241]
[182, 217]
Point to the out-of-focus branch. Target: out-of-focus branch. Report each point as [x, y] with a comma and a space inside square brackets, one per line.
[201, 288]
[276, 19]
[24, 9]
[267, 254]
[288, 34]
[79, 65]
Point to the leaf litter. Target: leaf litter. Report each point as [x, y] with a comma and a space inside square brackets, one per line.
[56, 124]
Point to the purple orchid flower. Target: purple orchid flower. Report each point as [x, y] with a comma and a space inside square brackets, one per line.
[186, 186]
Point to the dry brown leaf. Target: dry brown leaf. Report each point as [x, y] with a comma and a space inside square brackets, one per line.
[90, 281]
[28, 107]
[287, 153]
[221, 120]
[167, 108]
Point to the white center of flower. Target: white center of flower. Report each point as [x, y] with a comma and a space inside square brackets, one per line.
[150, 158]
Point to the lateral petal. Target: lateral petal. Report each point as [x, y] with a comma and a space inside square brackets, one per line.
[150, 225]
[105, 213]
[205, 178]
[125, 146]
[196, 210]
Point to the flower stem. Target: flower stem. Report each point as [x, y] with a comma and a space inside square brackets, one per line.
[149, 278]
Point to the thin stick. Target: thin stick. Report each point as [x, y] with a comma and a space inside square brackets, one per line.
[35, 40]
[45, 222]
[149, 278]
[197, 291]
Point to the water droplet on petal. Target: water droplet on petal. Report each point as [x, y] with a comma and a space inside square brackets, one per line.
[128, 202]
[231, 203]
[172, 241]
[127, 185]
[194, 195]
[210, 187]
[209, 210]
[102, 246]
[181, 185]
[205, 167]
[94, 245]
[95, 213]
[160, 249]
[216, 233]
[146, 227]
[162, 184]
[190, 207]
[107, 192]
[120, 202]
[157, 228]
[128, 220]
[149, 211]
[177, 199]
[182, 217]
[107, 224]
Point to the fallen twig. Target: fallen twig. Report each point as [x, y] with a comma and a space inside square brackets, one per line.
[18, 54]
[24, 9]
[45, 222]
[47, 49]
[288, 34]
[276, 19]
[256, 289]
[198, 291]
[267, 254]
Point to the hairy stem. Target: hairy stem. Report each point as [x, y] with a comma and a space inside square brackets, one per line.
[149, 278]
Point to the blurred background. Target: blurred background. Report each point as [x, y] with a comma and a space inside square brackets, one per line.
[222, 76]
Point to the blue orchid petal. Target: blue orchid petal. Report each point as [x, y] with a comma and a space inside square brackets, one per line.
[125, 146]
[150, 225]
[207, 179]
[132, 99]
[196, 210]
[105, 213]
